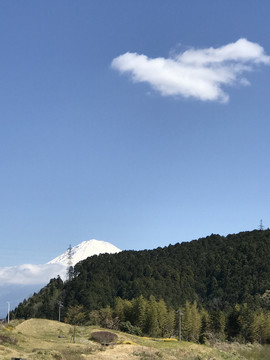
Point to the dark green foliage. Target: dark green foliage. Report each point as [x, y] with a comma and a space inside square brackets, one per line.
[127, 327]
[156, 320]
[75, 315]
[240, 324]
[217, 272]
[45, 304]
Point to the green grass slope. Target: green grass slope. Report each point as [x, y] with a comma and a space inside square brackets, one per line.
[38, 339]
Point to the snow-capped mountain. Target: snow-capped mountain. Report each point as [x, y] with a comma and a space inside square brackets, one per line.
[20, 281]
[83, 251]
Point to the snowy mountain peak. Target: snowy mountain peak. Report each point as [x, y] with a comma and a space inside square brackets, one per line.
[17, 282]
[84, 250]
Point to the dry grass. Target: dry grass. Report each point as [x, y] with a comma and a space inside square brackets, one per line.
[39, 339]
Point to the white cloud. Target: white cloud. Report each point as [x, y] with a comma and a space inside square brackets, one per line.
[29, 274]
[197, 73]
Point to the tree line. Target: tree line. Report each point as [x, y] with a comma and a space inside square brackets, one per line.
[151, 317]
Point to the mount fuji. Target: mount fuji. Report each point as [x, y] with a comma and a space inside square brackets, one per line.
[83, 251]
[19, 282]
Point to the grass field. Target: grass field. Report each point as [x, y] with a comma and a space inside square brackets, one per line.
[39, 339]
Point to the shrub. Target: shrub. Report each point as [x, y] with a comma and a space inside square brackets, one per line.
[104, 337]
[128, 342]
[5, 339]
[130, 329]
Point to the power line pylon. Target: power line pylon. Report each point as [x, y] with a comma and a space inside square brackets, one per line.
[261, 227]
[70, 269]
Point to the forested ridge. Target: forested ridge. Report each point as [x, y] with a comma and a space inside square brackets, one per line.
[216, 273]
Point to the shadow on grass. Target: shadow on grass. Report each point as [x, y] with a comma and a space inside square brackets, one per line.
[261, 353]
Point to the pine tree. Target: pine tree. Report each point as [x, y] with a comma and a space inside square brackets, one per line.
[233, 327]
[246, 321]
[217, 325]
[151, 323]
[139, 311]
[191, 324]
[162, 317]
[258, 327]
[205, 326]
[170, 322]
[119, 309]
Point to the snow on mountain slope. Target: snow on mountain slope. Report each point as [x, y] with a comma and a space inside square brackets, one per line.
[84, 250]
[19, 282]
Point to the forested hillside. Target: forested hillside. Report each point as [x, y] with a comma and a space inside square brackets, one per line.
[215, 271]
[220, 283]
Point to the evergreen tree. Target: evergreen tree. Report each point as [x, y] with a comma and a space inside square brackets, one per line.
[217, 324]
[75, 315]
[162, 314]
[119, 309]
[246, 316]
[140, 308]
[205, 326]
[259, 327]
[151, 322]
[170, 324]
[233, 326]
[191, 324]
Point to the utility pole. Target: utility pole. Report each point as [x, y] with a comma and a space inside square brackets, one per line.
[8, 310]
[179, 324]
[59, 310]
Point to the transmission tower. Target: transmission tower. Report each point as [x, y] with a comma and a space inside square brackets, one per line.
[261, 227]
[70, 270]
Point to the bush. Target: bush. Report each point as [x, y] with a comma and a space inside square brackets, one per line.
[104, 337]
[130, 329]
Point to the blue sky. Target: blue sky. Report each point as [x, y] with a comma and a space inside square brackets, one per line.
[91, 150]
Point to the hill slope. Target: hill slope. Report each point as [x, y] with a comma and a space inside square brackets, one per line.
[215, 271]
[38, 339]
